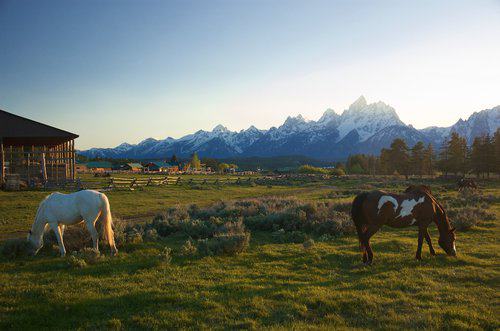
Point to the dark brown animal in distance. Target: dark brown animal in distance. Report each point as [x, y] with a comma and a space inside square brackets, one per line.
[465, 183]
[415, 207]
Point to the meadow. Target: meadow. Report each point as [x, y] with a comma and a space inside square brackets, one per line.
[273, 283]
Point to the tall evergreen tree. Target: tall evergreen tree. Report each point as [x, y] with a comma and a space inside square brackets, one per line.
[457, 154]
[488, 157]
[400, 156]
[417, 159]
[429, 160]
[386, 166]
[496, 147]
[476, 162]
[444, 160]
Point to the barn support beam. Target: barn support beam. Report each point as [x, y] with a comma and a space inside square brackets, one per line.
[2, 163]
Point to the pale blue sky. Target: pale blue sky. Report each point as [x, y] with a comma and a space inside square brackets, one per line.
[115, 71]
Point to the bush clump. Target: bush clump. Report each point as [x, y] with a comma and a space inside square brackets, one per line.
[224, 244]
[89, 255]
[166, 255]
[17, 248]
[189, 248]
[76, 262]
[308, 244]
[465, 218]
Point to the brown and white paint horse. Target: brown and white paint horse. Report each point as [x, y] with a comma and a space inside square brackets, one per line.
[415, 207]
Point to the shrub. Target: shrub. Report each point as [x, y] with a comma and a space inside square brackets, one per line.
[165, 227]
[134, 236]
[326, 237]
[119, 231]
[308, 169]
[282, 236]
[166, 255]
[200, 229]
[76, 262]
[188, 248]
[114, 324]
[16, 248]
[465, 218]
[308, 244]
[75, 237]
[150, 235]
[339, 172]
[344, 207]
[89, 255]
[226, 243]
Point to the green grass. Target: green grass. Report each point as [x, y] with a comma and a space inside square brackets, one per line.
[277, 286]
[18, 209]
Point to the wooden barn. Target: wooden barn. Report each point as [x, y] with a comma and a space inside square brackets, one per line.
[35, 152]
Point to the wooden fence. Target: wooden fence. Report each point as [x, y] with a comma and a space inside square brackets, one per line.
[134, 183]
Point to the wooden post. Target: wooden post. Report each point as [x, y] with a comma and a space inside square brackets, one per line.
[73, 160]
[2, 163]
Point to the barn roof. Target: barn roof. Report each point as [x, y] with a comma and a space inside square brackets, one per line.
[135, 165]
[17, 130]
[99, 164]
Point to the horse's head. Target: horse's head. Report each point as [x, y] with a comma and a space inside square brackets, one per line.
[35, 241]
[447, 242]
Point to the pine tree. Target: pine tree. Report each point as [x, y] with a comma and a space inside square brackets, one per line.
[488, 157]
[496, 147]
[475, 156]
[173, 160]
[429, 160]
[400, 156]
[386, 167]
[444, 160]
[457, 154]
[417, 159]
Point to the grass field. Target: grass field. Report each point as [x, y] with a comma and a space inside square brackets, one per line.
[271, 285]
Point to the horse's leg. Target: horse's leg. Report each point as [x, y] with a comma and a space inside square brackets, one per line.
[429, 242]
[57, 230]
[90, 223]
[421, 236]
[366, 243]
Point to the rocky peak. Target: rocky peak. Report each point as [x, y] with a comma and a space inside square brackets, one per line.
[220, 128]
[328, 116]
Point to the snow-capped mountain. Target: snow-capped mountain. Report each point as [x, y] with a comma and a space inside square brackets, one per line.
[362, 128]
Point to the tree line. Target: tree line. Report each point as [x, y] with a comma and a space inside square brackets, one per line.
[481, 158]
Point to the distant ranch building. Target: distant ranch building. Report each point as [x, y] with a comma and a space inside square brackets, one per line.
[99, 166]
[161, 167]
[81, 168]
[133, 167]
[35, 152]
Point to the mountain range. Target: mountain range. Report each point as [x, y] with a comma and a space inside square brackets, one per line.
[362, 128]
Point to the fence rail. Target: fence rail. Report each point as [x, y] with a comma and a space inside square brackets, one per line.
[116, 183]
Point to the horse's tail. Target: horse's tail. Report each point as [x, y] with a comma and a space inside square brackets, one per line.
[357, 215]
[107, 223]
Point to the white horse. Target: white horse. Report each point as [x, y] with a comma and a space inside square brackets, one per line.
[58, 210]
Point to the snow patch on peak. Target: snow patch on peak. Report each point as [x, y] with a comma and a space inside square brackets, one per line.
[220, 128]
[328, 115]
[359, 103]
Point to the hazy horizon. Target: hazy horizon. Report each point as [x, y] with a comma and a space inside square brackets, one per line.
[116, 72]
